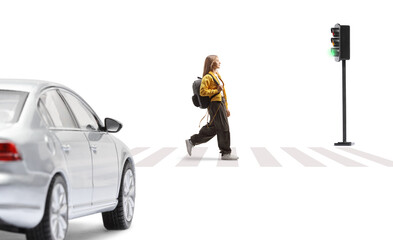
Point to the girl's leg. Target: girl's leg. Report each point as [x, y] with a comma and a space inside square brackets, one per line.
[205, 134]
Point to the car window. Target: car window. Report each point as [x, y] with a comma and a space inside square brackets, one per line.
[45, 115]
[11, 105]
[85, 118]
[57, 110]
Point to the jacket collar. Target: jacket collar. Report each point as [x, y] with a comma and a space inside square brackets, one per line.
[214, 75]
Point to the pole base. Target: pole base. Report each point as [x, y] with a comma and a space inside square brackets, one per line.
[344, 144]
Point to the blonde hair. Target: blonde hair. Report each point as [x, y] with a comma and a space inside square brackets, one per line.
[210, 64]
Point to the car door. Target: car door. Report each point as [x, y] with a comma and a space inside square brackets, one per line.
[74, 145]
[103, 150]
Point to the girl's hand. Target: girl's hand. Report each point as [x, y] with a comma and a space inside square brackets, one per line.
[228, 113]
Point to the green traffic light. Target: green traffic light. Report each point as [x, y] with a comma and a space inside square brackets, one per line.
[329, 52]
[334, 52]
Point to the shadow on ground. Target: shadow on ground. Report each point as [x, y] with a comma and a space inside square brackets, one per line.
[199, 159]
[76, 231]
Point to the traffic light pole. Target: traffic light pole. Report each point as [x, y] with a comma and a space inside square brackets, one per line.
[344, 142]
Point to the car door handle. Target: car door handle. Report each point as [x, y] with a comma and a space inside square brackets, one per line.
[66, 148]
[93, 148]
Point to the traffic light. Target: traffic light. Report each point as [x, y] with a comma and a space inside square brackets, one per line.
[340, 41]
[340, 52]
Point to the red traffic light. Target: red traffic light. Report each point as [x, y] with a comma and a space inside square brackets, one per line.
[335, 32]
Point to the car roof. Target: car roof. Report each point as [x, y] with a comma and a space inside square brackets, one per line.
[34, 87]
[26, 85]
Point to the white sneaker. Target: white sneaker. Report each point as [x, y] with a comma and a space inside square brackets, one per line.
[229, 157]
[189, 146]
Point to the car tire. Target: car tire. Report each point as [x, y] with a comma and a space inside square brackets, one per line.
[54, 224]
[120, 218]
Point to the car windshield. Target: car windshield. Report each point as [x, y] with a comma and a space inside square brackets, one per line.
[11, 105]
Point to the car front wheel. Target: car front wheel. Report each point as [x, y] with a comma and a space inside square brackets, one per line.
[120, 218]
[54, 223]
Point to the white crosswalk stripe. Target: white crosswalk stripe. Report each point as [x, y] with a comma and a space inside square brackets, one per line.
[210, 158]
[302, 158]
[195, 159]
[370, 158]
[356, 158]
[337, 157]
[283, 158]
[254, 157]
[264, 157]
[246, 158]
[155, 157]
[320, 158]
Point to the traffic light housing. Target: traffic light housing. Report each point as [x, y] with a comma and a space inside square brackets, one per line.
[340, 41]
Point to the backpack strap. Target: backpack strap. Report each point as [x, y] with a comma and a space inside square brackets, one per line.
[214, 79]
[207, 112]
[217, 84]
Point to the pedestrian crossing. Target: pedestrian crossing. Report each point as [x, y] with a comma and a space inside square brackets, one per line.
[258, 157]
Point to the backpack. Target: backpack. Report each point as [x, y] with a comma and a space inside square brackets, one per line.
[198, 100]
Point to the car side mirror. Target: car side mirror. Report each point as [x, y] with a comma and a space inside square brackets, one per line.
[112, 126]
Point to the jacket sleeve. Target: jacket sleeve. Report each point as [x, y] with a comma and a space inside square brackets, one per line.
[206, 85]
[226, 101]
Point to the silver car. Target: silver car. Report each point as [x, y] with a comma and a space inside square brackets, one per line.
[59, 162]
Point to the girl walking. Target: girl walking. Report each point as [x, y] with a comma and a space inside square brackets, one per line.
[218, 111]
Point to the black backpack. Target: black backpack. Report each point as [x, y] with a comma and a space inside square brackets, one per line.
[197, 99]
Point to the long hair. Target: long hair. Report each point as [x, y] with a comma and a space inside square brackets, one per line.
[210, 64]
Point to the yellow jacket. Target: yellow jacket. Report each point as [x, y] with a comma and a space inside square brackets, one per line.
[209, 88]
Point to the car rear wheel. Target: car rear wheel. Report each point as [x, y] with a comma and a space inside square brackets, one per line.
[120, 218]
[54, 223]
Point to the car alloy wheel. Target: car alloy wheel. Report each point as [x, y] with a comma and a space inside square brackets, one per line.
[128, 195]
[120, 218]
[58, 212]
[54, 223]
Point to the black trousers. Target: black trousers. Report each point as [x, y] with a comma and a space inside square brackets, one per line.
[218, 126]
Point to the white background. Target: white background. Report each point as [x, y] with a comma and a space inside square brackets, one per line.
[135, 61]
